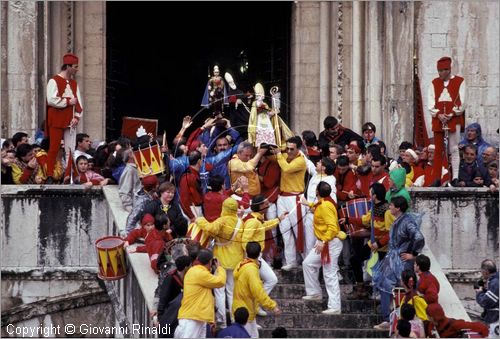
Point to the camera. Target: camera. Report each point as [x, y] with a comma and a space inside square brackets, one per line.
[479, 284]
[214, 265]
[269, 148]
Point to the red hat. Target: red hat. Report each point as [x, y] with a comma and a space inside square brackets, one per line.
[444, 63]
[150, 182]
[435, 311]
[354, 147]
[147, 219]
[70, 59]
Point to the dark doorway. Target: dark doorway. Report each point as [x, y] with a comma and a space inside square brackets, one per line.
[159, 55]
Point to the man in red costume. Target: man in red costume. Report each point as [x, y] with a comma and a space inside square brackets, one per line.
[446, 102]
[64, 110]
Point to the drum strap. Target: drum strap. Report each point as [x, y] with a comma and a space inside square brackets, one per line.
[236, 229]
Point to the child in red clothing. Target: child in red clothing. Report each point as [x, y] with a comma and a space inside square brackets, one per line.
[153, 240]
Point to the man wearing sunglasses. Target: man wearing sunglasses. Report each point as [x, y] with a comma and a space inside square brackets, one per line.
[293, 168]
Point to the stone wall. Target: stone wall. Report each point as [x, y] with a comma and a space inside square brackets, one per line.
[355, 60]
[35, 36]
[467, 31]
[51, 227]
[459, 223]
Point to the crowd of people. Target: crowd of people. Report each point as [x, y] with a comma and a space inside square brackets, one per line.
[232, 206]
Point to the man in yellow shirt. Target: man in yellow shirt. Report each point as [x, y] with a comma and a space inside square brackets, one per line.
[242, 164]
[326, 252]
[293, 168]
[197, 307]
[248, 288]
[255, 230]
[227, 231]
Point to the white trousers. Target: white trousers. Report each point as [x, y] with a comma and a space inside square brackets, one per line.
[310, 238]
[288, 226]
[189, 328]
[493, 333]
[453, 141]
[220, 298]
[311, 266]
[251, 327]
[267, 275]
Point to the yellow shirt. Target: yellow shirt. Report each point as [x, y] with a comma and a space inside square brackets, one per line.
[198, 300]
[326, 221]
[255, 230]
[248, 289]
[227, 251]
[17, 173]
[292, 174]
[238, 168]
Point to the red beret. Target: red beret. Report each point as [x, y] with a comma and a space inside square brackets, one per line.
[147, 218]
[70, 59]
[149, 182]
[444, 63]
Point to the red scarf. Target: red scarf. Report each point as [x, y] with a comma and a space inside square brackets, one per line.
[325, 253]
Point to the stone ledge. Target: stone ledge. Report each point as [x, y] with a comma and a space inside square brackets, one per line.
[54, 304]
[71, 273]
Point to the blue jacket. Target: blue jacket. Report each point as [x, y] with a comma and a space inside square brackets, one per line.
[481, 144]
[219, 162]
[234, 331]
[488, 299]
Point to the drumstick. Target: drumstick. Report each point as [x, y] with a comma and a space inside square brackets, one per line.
[353, 194]
[164, 137]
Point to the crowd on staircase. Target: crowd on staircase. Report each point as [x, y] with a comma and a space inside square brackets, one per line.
[235, 204]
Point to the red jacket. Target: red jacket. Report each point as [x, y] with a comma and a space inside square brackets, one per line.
[453, 89]
[154, 242]
[270, 172]
[61, 117]
[346, 183]
[428, 286]
[190, 191]
[212, 203]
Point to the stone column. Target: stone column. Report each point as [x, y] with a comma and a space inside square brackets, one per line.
[358, 65]
[325, 66]
[375, 74]
[90, 46]
[19, 67]
[305, 66]
[397, 112]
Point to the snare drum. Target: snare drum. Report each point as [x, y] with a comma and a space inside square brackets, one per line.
[149, 161]
[111, 258]
[197, 234]
[356, 208]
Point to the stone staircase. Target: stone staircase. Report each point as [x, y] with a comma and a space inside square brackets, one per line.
[303, 319]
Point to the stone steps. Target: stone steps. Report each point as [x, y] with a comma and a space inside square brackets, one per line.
[303, 318]
[298, 306]
[320, 321]
[297, 291]
[296, 276]
[327, 333]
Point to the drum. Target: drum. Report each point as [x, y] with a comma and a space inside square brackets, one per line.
[149, 160]
[197, 234]
[356, 208]
[111, 258]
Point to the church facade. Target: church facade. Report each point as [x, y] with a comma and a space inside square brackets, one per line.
[353, 60]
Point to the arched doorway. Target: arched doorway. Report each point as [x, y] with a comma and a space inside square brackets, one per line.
[159, 55]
